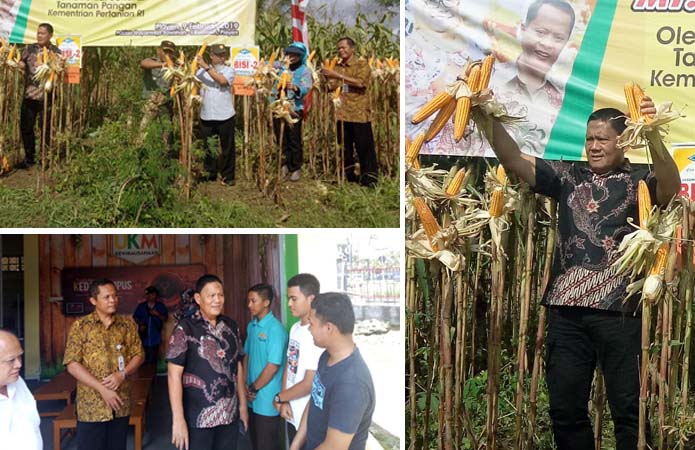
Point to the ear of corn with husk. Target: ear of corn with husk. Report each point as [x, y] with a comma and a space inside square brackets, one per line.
[429, 223]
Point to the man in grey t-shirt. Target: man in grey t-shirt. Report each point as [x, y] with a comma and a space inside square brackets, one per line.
[342, 402]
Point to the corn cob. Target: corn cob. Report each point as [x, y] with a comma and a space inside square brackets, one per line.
[454, 186]
[501, 174]
[273, 57]
[486, 71]
[435, 104]
[474, 79]
[338, 90]
[630, 100]
[653, 285]
[442, 117]
[644, 204]
[639, 96]
[496, 202]
[463, 108]
[429, 223]
[12, 50]
[311, 55]
[413, 149]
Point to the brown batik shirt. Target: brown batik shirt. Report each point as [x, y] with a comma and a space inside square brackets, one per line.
[593, 213]
[97, 348]
[32, 88]
[354, 102]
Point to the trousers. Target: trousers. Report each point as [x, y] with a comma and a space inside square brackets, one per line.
[579, 339]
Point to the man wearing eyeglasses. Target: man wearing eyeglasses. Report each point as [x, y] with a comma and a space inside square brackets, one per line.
[19, 419]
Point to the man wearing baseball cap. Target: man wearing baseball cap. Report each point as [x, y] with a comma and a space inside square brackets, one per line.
[217, 113]
[155, 88]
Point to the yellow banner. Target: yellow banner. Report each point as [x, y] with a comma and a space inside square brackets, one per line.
[134, 22]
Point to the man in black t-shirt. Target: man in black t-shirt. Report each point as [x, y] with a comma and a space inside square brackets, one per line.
[342, 402]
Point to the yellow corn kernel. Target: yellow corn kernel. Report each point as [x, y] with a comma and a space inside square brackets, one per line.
[639, 96]
[632, 106]
[659, 264]
[496, 202]
[486, 71]
[435, 104]
[463, 108]
[438, 123]
[474, 79]
[311, 55]
[454, 186]
[413, 149]
[644, 203]
[429, 223]
[501, 174]
[273, 57]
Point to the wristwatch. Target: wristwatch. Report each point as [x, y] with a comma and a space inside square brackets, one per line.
[276, 399]
[252, 388]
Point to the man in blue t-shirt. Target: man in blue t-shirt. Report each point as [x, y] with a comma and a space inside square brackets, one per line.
[150, 316]
[342, 402]
[265, 347]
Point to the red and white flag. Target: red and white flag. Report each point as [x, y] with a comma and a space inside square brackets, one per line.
[300, 28]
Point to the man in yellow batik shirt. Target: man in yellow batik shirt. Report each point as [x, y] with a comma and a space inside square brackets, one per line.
[353, 113]
[103, 349]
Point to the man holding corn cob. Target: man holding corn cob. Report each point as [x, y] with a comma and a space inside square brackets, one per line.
[33, 103]
[155, 88]
[590, 319]
[217, 112]
[352, 76]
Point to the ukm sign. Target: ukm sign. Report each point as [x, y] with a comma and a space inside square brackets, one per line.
[136, 248]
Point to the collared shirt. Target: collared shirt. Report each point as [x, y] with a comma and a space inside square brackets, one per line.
[541, 104]
[354, 102]
[98, 348]
[32, 88]
[153, 325]
[593, 213]
[19, 419]
[266, 342]
[217, 101]
[209, 356]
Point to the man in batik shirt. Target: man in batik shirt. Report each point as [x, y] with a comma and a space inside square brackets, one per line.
[103, 349]
[591, 320]
[33, 103]
[206, 377]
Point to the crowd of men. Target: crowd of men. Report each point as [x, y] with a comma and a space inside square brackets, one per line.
[217, 113]
[312, 385]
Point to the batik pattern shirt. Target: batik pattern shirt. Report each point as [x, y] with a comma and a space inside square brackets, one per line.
[209, 355]
[30, 57]
[354, 102]
[595, 212]
[98, 348]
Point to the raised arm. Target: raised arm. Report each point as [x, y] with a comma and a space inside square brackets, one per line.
[511, 158]
[668, 178]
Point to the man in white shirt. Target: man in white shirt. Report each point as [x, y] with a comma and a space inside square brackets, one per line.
[19, 419]
[302, 354]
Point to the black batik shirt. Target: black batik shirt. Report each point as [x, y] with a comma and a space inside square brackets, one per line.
[593, 212]
[209, 356]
